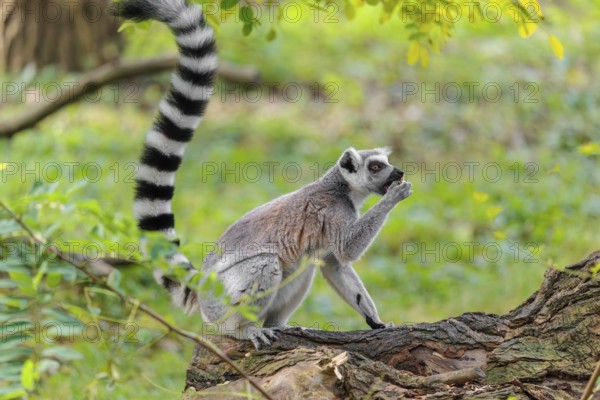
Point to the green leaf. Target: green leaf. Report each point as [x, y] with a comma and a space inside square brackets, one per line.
[424, 56]
[9, 226]
[63, 353]
[13, 266]
[53, 279]
[12, 392]
[7, 284]
[98, 230]
[271, 35]
[59, 315]
[127, 26]
[14, 316]
[47, 232]
[134, 26]
[76, 186]
[246, 14]
[48, 366]
[17, 328]
[589, 149]
[91, 206]
[15, 354]
[114, 280]
[227, 4]
[40, 274]
[24, 281]
[492, 211]
[414, 52]
[9, 342]
[247, 312]
[247, 29]
[14, 301]
[67, 272]
[28, 374]
[102, 291]
[11, 372]
[80, 313]
[417, 35]
[350, 11]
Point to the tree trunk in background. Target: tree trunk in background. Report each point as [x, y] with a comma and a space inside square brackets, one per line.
[544, 349]
[73, 34]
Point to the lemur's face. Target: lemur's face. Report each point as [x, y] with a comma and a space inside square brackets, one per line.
[369, 171]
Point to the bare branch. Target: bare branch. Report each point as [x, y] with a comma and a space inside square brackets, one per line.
[110, 73]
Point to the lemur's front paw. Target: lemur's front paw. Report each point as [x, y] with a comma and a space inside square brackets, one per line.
[379, 324]
[261, 337]
[398, 191]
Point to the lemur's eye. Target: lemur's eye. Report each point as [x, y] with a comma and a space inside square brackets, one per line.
[375, 167]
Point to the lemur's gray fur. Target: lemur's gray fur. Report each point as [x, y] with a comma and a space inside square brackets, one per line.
[319, 220]
[257, 253]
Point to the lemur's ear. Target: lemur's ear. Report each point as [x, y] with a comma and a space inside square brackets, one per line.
[350, 160]
[386, 151]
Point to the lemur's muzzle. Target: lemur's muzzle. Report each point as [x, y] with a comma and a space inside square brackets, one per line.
[396, 175]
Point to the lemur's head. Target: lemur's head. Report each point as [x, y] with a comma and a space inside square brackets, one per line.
[369, 171]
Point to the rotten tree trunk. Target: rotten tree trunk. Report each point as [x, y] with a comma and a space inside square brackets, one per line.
[544, 349]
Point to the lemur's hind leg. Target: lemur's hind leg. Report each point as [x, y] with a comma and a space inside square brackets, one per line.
[254, 280]
[289, 297]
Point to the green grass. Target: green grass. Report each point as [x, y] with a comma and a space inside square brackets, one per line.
[545, 202]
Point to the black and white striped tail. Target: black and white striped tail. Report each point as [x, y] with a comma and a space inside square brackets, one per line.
[180, 112]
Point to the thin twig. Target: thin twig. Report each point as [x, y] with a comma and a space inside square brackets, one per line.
[148, 311]
[589, 389]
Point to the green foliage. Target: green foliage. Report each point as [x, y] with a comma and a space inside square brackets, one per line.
[34, 323]
[48, 306]
[429, 23]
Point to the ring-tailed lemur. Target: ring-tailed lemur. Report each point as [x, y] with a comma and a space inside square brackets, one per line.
[266, 245]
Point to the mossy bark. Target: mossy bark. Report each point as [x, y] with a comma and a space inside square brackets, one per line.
[544, 349]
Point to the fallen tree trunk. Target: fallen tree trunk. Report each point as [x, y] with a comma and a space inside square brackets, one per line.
[544, 349]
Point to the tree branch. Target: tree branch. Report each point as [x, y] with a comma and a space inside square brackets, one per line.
[110, 73]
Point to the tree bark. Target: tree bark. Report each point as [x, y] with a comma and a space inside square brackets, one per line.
[544, 349]
[74, 35]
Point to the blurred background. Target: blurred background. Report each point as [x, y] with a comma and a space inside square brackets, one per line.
[498, 136]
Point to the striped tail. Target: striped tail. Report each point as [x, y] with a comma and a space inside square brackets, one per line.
[180, 112]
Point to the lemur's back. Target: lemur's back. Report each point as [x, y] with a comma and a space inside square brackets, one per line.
[297, 222]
